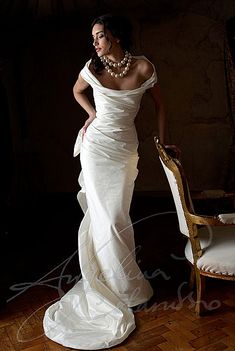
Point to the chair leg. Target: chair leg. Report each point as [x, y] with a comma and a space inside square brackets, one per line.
[200, 284]
[192, 278]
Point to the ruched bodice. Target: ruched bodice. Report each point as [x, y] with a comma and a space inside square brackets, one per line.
[115, 115]
[96, 312]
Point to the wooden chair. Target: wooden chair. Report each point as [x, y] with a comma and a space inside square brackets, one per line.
[210, 248]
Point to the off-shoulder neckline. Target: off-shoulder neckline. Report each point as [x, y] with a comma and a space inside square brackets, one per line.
[119, 90]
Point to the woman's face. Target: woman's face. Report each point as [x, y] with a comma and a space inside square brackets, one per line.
[103, 42]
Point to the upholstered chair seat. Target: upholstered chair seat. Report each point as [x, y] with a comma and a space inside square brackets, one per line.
[218, 250]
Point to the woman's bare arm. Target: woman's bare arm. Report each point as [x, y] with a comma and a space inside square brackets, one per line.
[78, 91]
[146, 70]
[160, 111]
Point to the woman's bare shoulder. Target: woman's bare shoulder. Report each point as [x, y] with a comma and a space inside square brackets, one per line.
[144, 67]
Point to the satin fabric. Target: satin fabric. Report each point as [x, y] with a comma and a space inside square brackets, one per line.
[96, 312]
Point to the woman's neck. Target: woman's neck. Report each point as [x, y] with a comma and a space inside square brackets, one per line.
[116, 56]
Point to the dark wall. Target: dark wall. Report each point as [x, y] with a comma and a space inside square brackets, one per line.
[42, 56]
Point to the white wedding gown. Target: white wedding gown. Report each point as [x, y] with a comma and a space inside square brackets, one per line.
[96, 312]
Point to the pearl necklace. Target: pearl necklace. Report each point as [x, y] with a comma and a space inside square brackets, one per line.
[125, 62]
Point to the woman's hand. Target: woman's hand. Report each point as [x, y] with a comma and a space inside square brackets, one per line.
[86, 125]
[173, 150]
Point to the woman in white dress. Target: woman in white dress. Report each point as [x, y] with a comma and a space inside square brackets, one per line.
[96, 313]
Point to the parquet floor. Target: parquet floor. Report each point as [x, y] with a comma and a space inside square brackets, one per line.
[169, 324]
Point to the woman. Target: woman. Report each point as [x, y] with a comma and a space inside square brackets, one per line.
[96, 313]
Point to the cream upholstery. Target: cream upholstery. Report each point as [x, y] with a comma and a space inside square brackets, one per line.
[218, 250]
[211, 245]
[228, 218]
[176, 196]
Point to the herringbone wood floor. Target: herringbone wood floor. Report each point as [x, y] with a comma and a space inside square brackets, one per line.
[169, 324]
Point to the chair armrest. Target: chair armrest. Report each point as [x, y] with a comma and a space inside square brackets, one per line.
[206, 220]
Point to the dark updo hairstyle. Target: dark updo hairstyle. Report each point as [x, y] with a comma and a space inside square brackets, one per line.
[120, 28]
